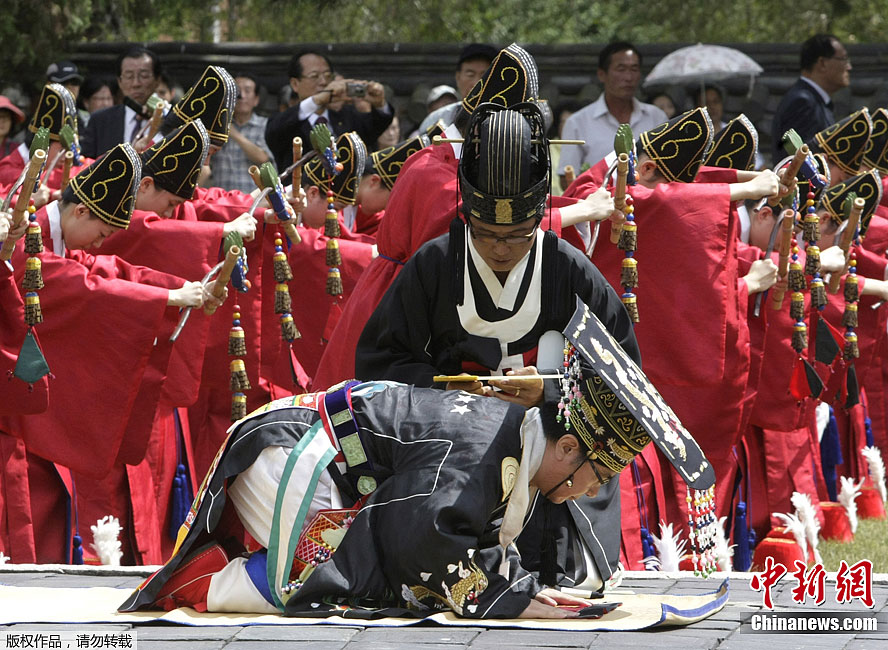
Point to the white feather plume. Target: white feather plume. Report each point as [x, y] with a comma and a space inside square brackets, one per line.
[821, 413]
[4, 559]
[796, 527]
[723, 551]
[105, 540]
[806, 513]
[848, 498]
[876, 469]
[670, 548]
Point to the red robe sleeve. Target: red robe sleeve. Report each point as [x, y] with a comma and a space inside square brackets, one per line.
[97, 335]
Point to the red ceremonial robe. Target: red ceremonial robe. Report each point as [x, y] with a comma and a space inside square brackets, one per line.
[82, 290]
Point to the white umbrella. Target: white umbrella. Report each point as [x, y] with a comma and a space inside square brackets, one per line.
[701, 64]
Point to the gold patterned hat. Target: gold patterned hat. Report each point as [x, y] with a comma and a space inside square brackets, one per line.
[734, 146]
[680, 145]
[613, 408]
[55, 109]
[351, 152]
[174, 163]
[108, 186]
[845, 141]
[511, 79]
[867, 186]
[388, 162]
[211, 100]
[876, 154]
[504, 166]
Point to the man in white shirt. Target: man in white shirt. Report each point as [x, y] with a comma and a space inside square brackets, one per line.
[619, 71]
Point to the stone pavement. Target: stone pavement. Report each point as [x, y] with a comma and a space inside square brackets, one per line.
[728, 629]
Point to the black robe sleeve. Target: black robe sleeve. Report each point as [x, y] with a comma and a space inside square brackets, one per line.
[395, 343]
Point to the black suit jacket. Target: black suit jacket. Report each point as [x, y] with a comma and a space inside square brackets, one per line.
[283, 127]
[104, 131]
[803, 109]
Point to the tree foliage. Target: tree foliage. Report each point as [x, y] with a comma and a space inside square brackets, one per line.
[41, 32]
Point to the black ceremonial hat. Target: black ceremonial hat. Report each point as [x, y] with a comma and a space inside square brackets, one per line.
[351, 152]
[388, 162]
[867, 186]
[211, 100]
[504, 166]
[734, 146]
[437, 128]
[618, 411]
[55, 109]
[108, 186]
[511, 79]
[679, 145]
[876, 154]
[845, 141]
[174, 163]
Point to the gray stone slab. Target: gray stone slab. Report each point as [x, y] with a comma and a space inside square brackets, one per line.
[441, 635]
[864, 643]
[298, 645]
[288, 633]
[167, 632]
[533, 638]
[62, 580]
[70, 627]
[661, 638]
[395, 644]
[712, 623]
[787, 641]
[192, 645]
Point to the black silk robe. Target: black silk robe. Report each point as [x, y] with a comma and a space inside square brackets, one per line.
[416, 333]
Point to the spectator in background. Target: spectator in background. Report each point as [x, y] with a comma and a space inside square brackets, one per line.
[138, 70]
[473, 60]
[664, 102]
[441, 96]
[713, 98]
[165, 89]
[619, 71]
[95, 94]
[807, 106]
[320, 97]
[246, 140]
[65, 73]
[10, 115]
[391, 136]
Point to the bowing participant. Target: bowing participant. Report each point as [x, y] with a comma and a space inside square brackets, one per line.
[351, 465]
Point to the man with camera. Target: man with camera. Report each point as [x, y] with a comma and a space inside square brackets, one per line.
[342, 104]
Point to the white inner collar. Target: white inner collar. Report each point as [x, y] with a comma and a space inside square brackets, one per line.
[55, 228]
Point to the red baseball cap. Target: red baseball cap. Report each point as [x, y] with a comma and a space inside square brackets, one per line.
[12, 108]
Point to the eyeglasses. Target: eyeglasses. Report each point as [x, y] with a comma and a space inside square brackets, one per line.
[315, 76]
[511, 240]
[843, 59]
[143, 75]
[601, 481]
